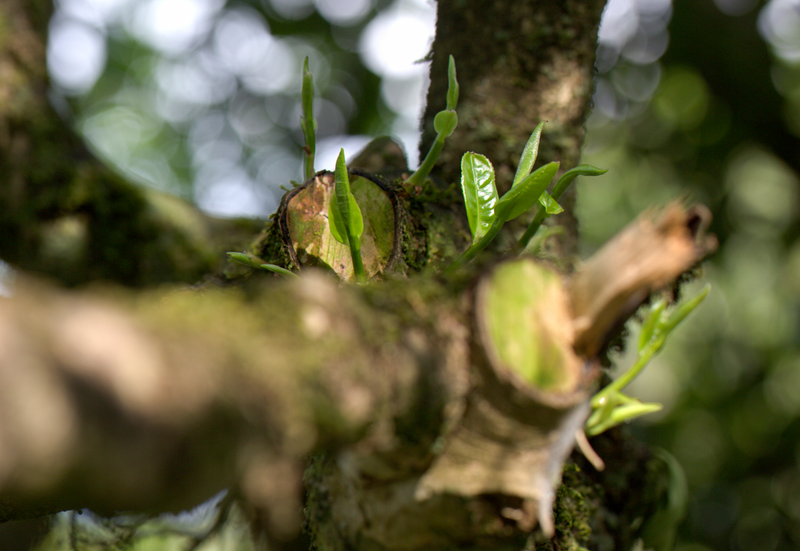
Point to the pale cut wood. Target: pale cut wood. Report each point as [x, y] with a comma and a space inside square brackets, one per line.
[647, 255]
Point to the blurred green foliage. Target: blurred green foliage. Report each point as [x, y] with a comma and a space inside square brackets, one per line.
[195, 530]
[720, 129]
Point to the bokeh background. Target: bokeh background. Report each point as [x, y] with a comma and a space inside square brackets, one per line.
[694, 98]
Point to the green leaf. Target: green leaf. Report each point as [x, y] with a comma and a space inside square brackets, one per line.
[242, 258]
[567, 178]
[683, 309]
[445, 123]
[524, 195]
[278, 270]
[452, 85]
[307, 122]
[344, 216]
[336, 222]
[649, 325]
[529, 155]
[480, 193]
[561, 186]
[550, 205]
[621, 414]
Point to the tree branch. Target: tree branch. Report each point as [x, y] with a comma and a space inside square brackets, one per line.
[158, 404]
[65, 214]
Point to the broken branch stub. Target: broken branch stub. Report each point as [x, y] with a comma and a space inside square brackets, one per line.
[530, 398]
[650, 253]
[533, 366]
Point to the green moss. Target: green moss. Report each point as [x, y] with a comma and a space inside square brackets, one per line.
[575, 506]
[322, 531]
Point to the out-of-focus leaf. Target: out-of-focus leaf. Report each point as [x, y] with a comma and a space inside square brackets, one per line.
[621, 414]
[308, 123]
[684, 309]
[278, 270]
[650, 322]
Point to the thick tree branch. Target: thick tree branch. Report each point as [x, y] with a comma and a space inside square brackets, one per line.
[159, 404]
[435, 435]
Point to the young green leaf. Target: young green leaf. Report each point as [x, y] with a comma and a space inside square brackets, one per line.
[480, 193]
[550, 205]
[278, 270]
[307, 121]
[529, 155]
[649, 325]
[452, 85]
[656, 330]
[344, 216]
[561, 186]
[621, 414]
[684, 309]
[336, 220]
[243, 258]
[524, 195]
[567, 178]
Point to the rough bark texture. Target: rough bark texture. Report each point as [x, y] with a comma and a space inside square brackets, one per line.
[518, 62]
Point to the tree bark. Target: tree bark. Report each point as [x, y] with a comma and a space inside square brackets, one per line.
[518, 63]
[158, 405]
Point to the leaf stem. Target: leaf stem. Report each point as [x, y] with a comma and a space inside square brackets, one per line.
[474, 249]
[427, 165]
[559, 189]
[358, 263]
